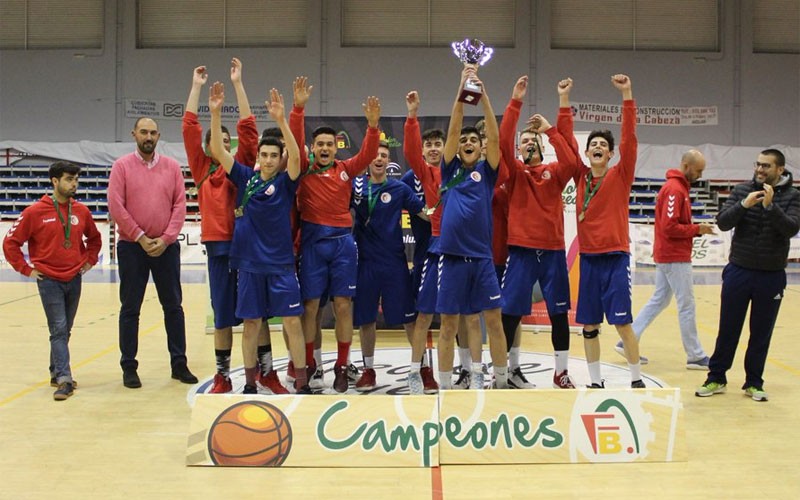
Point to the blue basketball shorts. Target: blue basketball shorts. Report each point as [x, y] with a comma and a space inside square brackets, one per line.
[467, 285]
[222, 283]
[330, 266]
[525, 267]
[429, 285]
[268, 295]
[388, 284]
[605, 287]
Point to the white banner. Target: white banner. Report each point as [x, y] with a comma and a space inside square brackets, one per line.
[663, 116]
[105, 234]
[707, 250]
[169, 110]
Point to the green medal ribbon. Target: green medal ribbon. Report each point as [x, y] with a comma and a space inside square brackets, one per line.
[253, 186]
[214, 167]
[67, 225]
[373, 200]
[460, 174]
[589, 193]
[311, 170]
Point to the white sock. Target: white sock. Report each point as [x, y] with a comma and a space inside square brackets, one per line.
[594, 372]
[513, 358]
[446, 380]
[562, 360]
[477, 366]
[501, 377]
[425, 361]
[368, 361]
[414, 367]
[318, 356]
[636, 371]
[465, 357]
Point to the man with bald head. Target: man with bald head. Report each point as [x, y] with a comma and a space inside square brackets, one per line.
[672, 253]
[147, 201]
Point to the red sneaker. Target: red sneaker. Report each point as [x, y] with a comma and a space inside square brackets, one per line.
[270, 382]
[221, 385]
[431, 387]
[340, 378]
[367, 380]
[563, 381]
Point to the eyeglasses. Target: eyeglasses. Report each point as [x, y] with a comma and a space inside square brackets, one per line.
[763, 166]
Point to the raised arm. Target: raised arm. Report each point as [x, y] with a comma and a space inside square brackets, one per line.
[491, 129]
[216, 97]
[277, 112]
[238, 87]
[628, 145]
[369, 147]
[191, 129]
[199, 78]
[301, 91]
[508, 126]
[456, 118]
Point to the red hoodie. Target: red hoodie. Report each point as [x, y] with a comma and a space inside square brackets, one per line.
[674, 228]
[41, 227]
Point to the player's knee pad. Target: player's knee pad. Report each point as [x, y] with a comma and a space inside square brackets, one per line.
[591, 334]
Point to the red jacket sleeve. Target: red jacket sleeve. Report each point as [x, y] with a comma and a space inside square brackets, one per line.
[247, 151]
[297, 125]
[672, 203]
[19, 233]
[508, 131]
[412, 150]
[567, 166]
[628, 146]
[193, 143]
[356, 165]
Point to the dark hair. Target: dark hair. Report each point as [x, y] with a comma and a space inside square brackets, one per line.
[322, 130]
[208, 134]
[272, 132]
[59, 168]
[780, 160]
[433, 133]
[605, 134]
[470, 130]
[271, 141]
[383, 144]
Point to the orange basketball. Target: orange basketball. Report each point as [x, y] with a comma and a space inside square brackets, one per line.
[250, 433]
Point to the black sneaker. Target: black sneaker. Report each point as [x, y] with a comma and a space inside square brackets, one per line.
[250, 389]
[54, 383]
[638, 384]
[182, 373]
[352, 373]
[304, 390]
[64, 391]
[601, 385]
[130, 378]
[463, 380]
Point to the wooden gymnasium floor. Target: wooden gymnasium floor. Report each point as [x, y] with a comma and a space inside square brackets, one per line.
[108, 441]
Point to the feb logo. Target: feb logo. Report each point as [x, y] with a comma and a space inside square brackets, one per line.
[475, 176]
[343, 175]
[270, 190]
[73, 220]
[250, 434]
[546, 175]
[609, 429]
[386, 197]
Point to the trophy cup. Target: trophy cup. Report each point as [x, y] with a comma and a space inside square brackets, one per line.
[471, 52]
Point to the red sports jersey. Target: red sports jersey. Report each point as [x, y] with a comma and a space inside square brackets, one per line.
[323, 197]
[536, 210]
[429, 175]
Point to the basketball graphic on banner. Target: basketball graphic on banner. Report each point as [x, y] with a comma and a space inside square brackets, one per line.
[250, 434]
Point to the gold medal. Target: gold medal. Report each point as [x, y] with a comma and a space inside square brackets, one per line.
[238, 212]
[67, 244]
[581, 216]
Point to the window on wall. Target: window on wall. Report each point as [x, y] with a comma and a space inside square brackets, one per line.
[51, 24]
[221, 23]
[426, 23]
[776, 26]
[674, 25]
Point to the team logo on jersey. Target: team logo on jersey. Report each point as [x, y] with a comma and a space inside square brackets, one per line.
[475, 176]
[270, 190]
[546, 175]
[74, 220]
[386, 197]
[343, 175]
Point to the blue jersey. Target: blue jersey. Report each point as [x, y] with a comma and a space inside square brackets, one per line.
[420, 228]
[262, 236]
[377, 230]
[467, 216]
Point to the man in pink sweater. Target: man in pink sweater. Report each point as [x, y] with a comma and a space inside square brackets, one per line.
[147, 201]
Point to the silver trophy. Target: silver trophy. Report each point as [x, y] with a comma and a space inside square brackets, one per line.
[471, 53]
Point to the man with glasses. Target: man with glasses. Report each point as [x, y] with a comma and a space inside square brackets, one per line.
[765, 213]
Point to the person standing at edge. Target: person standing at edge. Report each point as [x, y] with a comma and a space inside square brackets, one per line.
[216, 196]
[63, 244]
[147, 202]
[765, 213]
[672, 253]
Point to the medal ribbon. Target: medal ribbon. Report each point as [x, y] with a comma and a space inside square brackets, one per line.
[373, 200]
[67, 225]
[460, 174]
[253, 186]
[590, 192]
